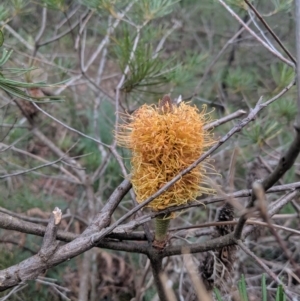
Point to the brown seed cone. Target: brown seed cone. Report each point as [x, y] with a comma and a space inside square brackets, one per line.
[217, 267]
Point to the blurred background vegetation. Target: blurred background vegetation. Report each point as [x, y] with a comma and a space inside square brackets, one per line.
[70, 57]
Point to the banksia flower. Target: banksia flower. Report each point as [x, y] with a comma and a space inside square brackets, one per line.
[164, 140]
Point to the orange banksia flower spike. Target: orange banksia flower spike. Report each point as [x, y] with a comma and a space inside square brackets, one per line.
[164, 140]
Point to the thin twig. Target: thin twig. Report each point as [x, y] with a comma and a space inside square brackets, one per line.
[13, 291]
[71, 177]
[249, 222]
[68, 127]
[225, 119]
[275, 207]
[263, 21]
[177, 24]
[282, 58]
[17, 36]
[42, 29]
[70, 29]
[70, 14]
[73, 163]
[31, 169]
[110, 31]
[118, 92]
[213, 62]
[82, 27]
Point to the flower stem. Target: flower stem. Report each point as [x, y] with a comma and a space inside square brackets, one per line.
[161, 227]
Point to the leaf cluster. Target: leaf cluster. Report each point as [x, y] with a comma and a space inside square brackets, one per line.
[145, 69]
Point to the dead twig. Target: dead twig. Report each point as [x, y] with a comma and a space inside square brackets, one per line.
[49, 244]
[18, 173]
[225, 119]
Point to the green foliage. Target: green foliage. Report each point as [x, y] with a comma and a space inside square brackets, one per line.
[145, 70]
[288, 209]
[240, 80]
[282, 5]
[110, 6]
[9, 258]
[263, 288]
[285, 108]
[106, 122]
[143, 11]
[25, 200]
[183, 74]
[280, 295]
[217, 294]
[238, 3]
[5, 54]
[282, 75]
[91, 158]
[64, 63]
[4, 13]
[56, 4]
[262, 131]
[18, 134]
[152, 9]
[243, 289]
[150, 293]
[1, 39]
[13, 87]
[18, 4]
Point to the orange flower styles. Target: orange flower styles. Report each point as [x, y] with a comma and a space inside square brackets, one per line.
[164, 140]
